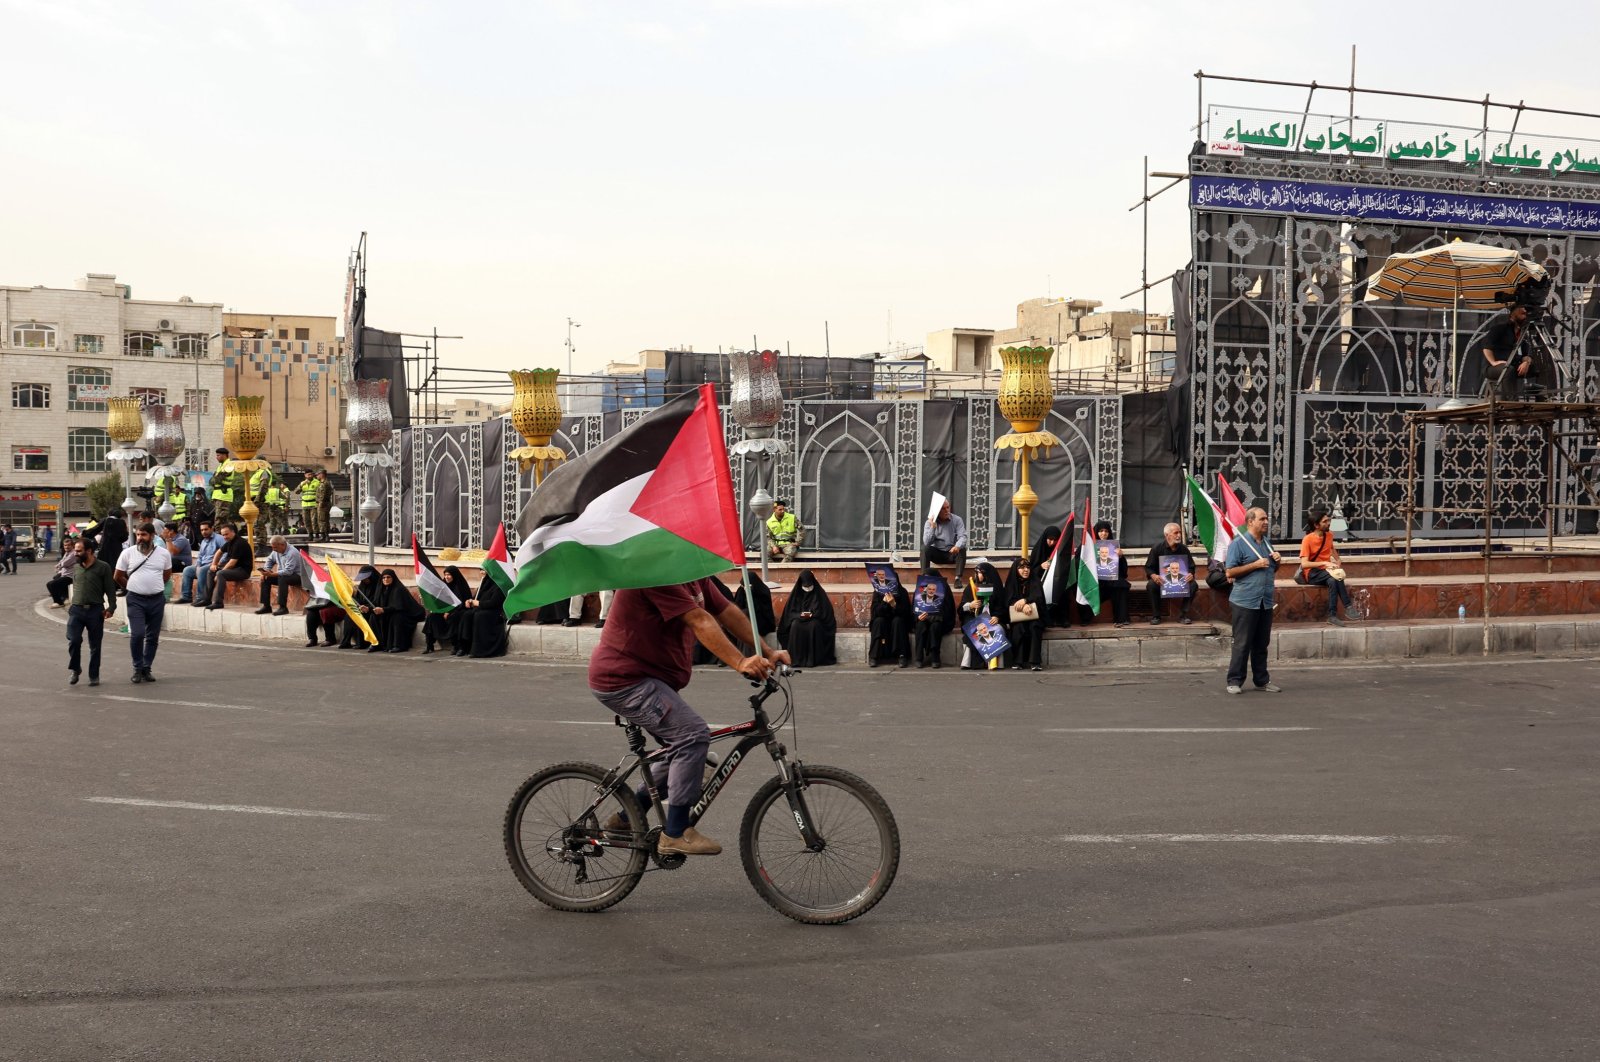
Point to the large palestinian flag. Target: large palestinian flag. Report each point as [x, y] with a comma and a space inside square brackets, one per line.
[1088, 582]
[1062, 576]
[652, 506]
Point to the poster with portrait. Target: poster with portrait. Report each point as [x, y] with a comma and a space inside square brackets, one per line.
[1106, 555]
[1174, 574]
[986, 633]
[883, 578]
[929, 598]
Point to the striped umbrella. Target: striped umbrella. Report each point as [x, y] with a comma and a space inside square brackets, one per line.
[1452, 275]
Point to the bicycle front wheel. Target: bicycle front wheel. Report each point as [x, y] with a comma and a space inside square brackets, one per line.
[854, 869]
[549, 834]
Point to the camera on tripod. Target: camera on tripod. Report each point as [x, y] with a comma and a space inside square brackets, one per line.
[1531, 293]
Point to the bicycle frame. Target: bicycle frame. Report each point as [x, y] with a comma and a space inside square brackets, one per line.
[755, 732]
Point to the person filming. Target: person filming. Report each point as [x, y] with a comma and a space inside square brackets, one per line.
[1509, 366]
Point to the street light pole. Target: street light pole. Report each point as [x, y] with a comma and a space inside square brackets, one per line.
[571, 324]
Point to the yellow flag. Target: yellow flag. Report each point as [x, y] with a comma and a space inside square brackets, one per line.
[344, 595]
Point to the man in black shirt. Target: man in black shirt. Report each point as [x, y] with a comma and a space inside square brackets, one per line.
[1171, 545]
[1508, 365]
[234, 564]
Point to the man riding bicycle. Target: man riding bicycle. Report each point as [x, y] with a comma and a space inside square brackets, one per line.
[644, 660]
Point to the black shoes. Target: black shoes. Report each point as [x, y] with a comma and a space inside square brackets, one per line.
[872, 661]
[570, 623]
[263, 611]
[138, 677]
[312, 644]
[147, 676]
[93, 681]
[905, 661]
[280, 612]
[73, 681]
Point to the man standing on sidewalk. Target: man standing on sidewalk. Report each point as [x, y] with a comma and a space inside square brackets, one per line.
[92, 583]
[8, 550]
[142, 571]
[1251, 564]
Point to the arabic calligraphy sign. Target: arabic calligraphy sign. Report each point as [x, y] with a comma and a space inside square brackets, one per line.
[1248, 194]
[1321, 134]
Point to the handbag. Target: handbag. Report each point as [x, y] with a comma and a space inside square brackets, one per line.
[1024, 612]
[1336, 572]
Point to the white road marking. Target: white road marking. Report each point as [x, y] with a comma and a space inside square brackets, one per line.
[181, 704]
[1178, 729]
[1262, 838]
[252, 809]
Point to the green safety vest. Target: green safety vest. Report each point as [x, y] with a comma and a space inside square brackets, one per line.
[180, 505]
[783, 530]
[308, 494]
[274, 495]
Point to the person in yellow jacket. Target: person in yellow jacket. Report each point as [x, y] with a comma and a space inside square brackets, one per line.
[269, 499]
[226, 490]
[310, 514]
[783, 533]
[170, 487]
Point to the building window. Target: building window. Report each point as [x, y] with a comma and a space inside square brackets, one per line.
[313, 390]
[88, 389]
[89, 344]
[302, 333]
[149, 396]
[34, 336]
[30, 396]
[86, 450]
[192, 458]
[283, 333]
[196, 401]
[30, 459]
[190, 345]
[140, 344]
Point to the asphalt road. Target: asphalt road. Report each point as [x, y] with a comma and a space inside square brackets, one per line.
[1403, 867]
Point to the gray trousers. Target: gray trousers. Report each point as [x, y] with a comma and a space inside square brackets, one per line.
[1252, 635]
[656, 708]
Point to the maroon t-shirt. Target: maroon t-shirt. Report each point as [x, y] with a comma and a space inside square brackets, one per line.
[646, 635]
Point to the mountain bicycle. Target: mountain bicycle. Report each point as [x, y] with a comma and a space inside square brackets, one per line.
[818, 844]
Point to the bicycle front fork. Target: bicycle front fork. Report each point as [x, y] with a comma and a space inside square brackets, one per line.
[794, 787]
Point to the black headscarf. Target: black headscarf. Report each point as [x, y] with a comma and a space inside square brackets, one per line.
[984, 574]
[396, 598]
[490, 595]
[458, 583]
[900, 608]
[1046, 545]
[369, 588]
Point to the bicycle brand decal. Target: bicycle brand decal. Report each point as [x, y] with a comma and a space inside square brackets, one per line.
[716, 783]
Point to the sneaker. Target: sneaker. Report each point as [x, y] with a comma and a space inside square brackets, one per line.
[1270, 688]
[1038, 667]
[693, 842]
[1186, 619]
[1336, 621]
[1155, 621]
[1235, 689]
[58, 605]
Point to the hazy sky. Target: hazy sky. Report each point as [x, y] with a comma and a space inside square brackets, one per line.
[691, 173]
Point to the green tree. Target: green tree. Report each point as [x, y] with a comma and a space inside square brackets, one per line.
[104, 494]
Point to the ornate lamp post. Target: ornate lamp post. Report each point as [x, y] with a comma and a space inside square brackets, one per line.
[757, 400]
[163, 438]
[244, 433]
[536, 414]
[125, 426]
[369, 422]
[1026, 395]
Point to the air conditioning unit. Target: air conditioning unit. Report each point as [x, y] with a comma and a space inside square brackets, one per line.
[165, 325]
[328, 451]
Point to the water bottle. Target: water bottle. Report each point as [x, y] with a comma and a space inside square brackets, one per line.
[1461, 613]
[122, 629]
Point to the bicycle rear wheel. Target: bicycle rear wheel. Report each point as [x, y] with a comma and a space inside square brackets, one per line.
[549, 831]
[856, 865]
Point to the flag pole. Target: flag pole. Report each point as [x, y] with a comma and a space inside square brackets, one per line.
[750, 603]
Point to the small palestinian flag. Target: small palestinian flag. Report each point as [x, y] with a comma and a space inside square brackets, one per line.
[652, 506]
[1088, 581]
[497, 565]
[1209, 523]
[436, 593]
[332, 585]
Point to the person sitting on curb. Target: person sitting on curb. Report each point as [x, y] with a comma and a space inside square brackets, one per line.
[1172, 545]
[783, 533]
[280, 569]
[1319, 563]
[232, 564]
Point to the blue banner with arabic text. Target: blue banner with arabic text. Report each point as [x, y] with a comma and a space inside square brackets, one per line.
[1416, 206]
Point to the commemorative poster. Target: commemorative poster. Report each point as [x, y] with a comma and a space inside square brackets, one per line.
[1175, 571]
[929, 598]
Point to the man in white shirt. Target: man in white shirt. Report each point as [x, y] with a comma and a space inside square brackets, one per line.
[142, 571]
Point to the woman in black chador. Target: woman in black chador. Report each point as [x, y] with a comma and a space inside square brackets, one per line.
[482, 627]
[807, 626]
[889, 637]
[1024, 587]
[1112, 591]
[442, 626]
[369, 591]
[398, 615]
[1059, 614]
[932, 627]
[983, 577]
